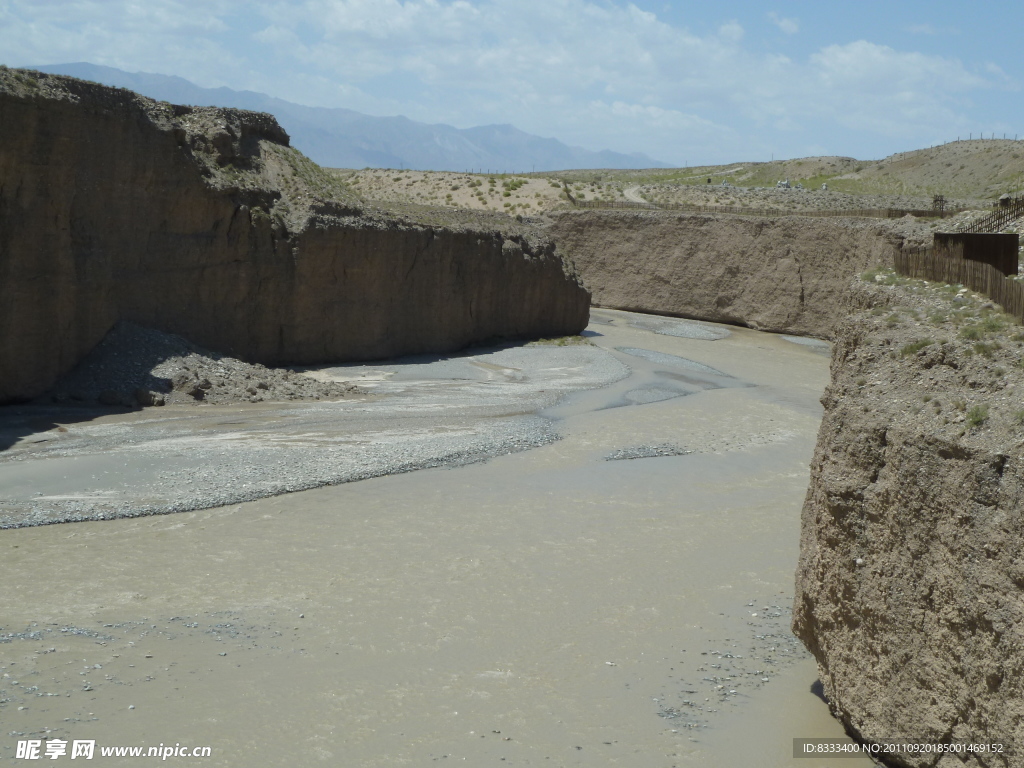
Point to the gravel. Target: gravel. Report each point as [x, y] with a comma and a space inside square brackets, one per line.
[135, 366]
[647, 452]
[213, 477]
[792, 199]
[93, 464]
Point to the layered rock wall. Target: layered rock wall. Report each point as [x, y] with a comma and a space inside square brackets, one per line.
[202, 222]
[910, 586]
[787, 274]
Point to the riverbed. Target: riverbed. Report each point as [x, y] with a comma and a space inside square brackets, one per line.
[576, 555]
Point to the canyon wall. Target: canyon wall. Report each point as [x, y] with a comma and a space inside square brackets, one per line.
[910, 585]
[785, 274]
[203, 222]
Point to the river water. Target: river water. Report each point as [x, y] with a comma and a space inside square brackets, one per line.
[620, 596]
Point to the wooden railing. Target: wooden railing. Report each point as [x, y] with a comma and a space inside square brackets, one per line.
[997, 220]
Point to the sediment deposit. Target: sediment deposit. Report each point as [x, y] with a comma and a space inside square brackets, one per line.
[910, 575]
[545, 607]
[203, 222]
[786, 275]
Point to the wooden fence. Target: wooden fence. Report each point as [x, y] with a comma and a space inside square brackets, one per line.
[869, 213]
[926, 264]
[996, 220]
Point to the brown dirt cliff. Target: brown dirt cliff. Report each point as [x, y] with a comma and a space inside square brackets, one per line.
[787, 274]
[909, 586]
[203, 222]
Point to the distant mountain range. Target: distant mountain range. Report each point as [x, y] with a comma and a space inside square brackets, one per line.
[342, 138]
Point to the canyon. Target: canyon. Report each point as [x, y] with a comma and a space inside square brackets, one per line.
[205, 223]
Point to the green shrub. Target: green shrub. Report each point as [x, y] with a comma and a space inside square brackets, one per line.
[977, 415]
[993, 323]
[915, 347]
[985, 350]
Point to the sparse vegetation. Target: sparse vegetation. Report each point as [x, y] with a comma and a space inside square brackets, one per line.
[986, 350]
[915, 347]
[977, 415]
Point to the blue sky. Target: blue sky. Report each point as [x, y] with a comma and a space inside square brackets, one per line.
[684, 82]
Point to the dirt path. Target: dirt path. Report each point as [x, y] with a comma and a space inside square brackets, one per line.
[633, 195]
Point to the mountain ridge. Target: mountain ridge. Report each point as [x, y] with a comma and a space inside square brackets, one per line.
[343, 138]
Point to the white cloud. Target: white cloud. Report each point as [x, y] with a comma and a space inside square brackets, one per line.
[597, 74]
[179, 36]
[789, 26]
[731, 32]
[874, 87]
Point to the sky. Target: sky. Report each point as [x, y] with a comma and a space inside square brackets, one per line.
[687, 83]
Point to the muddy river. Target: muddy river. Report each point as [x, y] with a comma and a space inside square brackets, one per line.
[586, 558]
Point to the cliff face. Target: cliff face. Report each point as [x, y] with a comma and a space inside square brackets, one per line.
[203, 222]
[787, 274]
[909, 586]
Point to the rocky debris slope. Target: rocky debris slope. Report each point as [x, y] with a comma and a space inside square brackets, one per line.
[792, 199]
[910, 574]
[202, 222]
[141, 366]
[782, 274]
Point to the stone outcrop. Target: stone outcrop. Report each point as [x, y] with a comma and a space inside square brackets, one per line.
[909, 586]
[204, 223]
[786, 275]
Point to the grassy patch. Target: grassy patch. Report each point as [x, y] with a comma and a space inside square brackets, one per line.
[993, 323]
[986, 350]
[914, 347]
[977, 415]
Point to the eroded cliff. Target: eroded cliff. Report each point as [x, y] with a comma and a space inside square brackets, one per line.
[786, 274]
[909, 587]
[203, 222]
